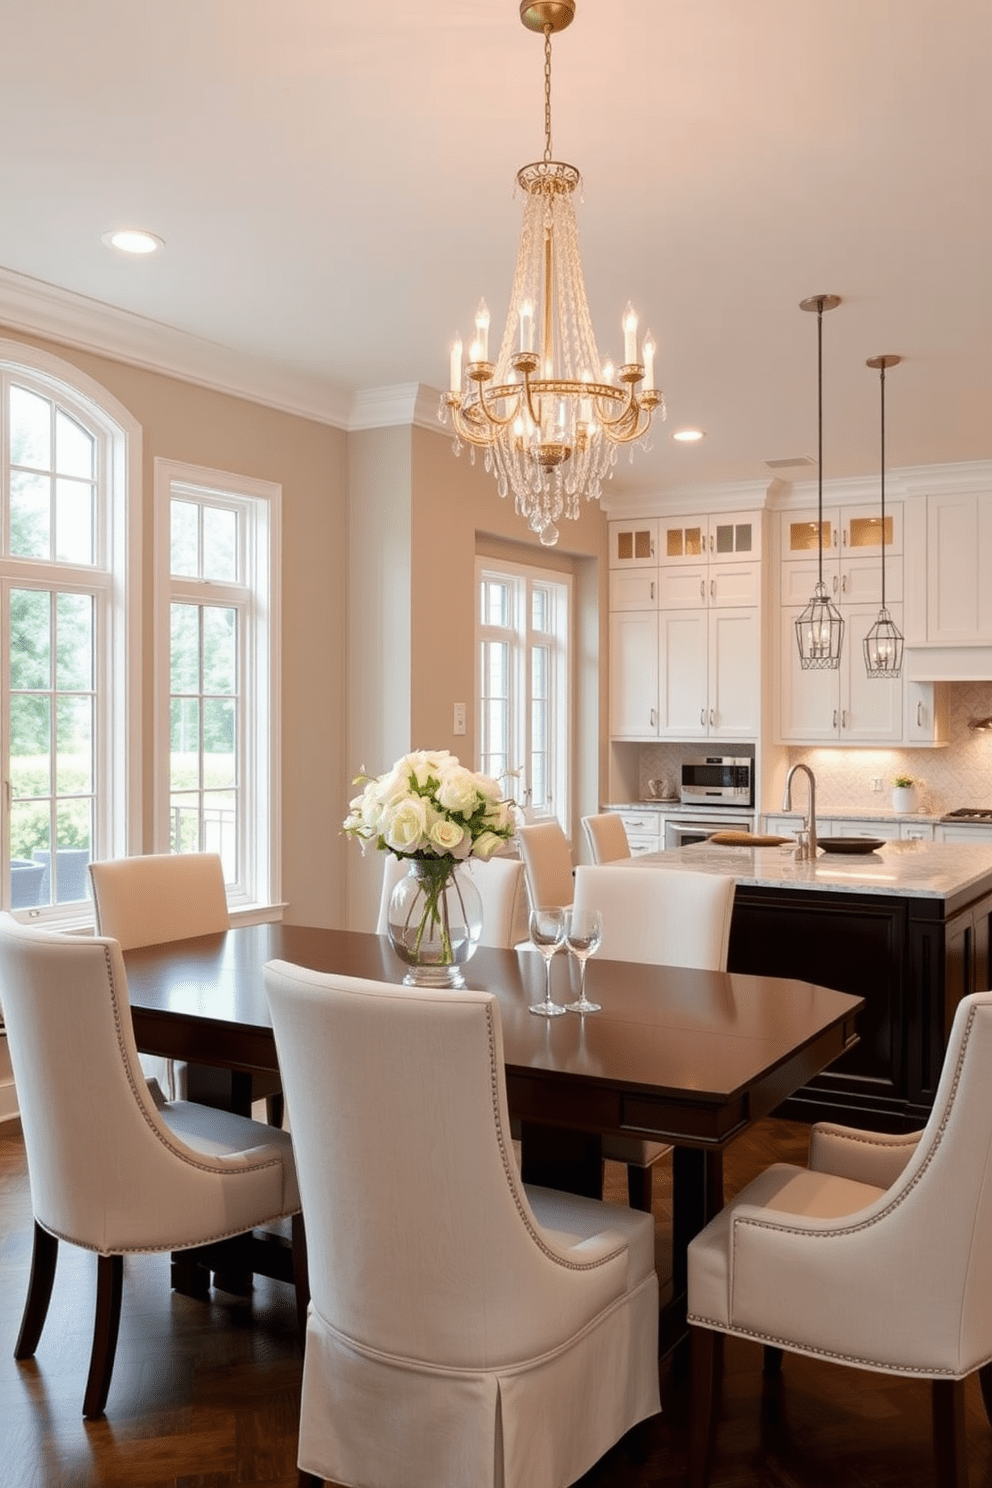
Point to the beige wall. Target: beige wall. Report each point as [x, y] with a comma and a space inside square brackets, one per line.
[380, 532]
[309, 460]
[419, 516]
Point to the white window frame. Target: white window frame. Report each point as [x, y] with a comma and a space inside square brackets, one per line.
[258, 600]
[115, 580]
[522, 639]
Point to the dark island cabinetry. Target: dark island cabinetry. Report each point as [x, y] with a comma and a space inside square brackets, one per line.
[912, 958]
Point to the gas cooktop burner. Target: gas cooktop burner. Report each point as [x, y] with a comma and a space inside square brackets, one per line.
[969, 813]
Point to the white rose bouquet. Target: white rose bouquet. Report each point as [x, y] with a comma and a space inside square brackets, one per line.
[433, 810]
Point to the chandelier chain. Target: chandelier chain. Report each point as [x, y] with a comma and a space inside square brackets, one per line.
[547, 93]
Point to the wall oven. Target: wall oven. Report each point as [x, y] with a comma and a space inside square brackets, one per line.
[683, 831]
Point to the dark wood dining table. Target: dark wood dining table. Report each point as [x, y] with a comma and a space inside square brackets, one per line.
[681, 1056]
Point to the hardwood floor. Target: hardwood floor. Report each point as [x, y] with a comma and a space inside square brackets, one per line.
[206, 1394]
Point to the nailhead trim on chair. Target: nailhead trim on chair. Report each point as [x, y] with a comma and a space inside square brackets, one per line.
[854, 1229]
[509, 1168]
[269, 1162]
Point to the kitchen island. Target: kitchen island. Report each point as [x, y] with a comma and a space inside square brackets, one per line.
[905, 927]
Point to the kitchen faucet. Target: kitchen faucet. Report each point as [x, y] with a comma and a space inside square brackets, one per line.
[806, 845]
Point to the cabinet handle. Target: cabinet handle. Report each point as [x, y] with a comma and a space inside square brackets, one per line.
[702, 588]
[712, 588]
[919, 715]
[844, 536]
[652, 588]
[836, 582]
[843, 718]
[835, 718]
[843, 584]
[702, 717]
[712, 717]
[652, 547]
[654, 718]
[711, 542]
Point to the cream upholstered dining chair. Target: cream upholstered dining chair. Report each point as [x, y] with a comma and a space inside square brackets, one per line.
[606, 836]
[110, 1169]
[875, 1256]
[463, 1329]
[547, 860]
[158, 897]
[502, 888]
[672, 917]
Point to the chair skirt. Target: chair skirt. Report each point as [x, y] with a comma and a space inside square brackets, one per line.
[379, 1420]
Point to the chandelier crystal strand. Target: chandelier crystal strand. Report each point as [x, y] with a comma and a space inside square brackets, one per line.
[547, 414]
[883, 645]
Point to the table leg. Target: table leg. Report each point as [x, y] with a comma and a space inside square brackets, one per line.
[697, 1194]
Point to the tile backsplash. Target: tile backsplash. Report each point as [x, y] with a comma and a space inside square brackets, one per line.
[958, 775]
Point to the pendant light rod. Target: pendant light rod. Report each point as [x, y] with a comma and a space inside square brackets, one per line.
[880, 363]
[884, 643]
[819, 303]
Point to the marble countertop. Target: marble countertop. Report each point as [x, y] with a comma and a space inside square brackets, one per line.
[929, 870]
[824, 813]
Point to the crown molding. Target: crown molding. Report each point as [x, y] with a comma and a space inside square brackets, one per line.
[725, 496]
[39, 309]
[410, 403]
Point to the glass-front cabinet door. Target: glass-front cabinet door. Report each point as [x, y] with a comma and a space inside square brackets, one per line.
[633, 544]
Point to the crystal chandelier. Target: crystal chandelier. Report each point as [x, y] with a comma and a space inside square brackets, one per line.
[884, 642]
[548, 413]
[820, 627]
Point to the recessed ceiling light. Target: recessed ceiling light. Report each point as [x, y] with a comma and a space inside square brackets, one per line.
[689, 436]
[133, 240]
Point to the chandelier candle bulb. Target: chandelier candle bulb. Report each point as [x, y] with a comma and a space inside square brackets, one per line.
[629, 335]
[482, 332]
[526, 326]
[649, 350]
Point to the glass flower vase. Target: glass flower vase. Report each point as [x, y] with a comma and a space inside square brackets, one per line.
[435, 921]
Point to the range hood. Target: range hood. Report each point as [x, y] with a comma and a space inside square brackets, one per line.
[947, 663]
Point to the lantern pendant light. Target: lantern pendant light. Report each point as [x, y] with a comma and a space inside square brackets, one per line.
[820, 627]
[883, 643]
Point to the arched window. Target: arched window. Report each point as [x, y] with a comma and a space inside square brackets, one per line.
[70, 718]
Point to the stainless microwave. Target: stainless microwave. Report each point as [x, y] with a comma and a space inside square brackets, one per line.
[717, 780]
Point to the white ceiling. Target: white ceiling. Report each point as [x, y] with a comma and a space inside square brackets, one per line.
[334, 183]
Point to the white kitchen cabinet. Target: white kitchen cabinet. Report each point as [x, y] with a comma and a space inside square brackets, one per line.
[633, 589]
[925, 712]
[724, 537]
[916, 831]
[685, 674]
[847, 579]
[709, 662]
[633, 543]
[644, 830]
[708, 585]
[842, 705]
[959, 832]
[634, 674]
[853, 531]
[849, 826]
[959, 553]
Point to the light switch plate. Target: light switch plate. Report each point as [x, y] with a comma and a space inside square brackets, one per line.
[458, 725]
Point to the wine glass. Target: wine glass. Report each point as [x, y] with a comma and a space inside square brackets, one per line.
[547, 931]
[583, 933]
